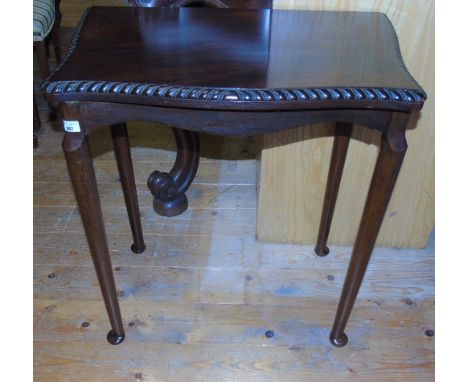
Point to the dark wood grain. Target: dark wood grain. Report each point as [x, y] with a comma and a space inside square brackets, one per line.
[236, 58]
[244, 4]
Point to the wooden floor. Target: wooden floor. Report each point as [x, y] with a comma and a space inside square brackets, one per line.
[197, 303]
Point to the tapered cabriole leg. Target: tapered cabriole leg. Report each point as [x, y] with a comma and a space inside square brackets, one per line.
[392, 152]
[127, 178]
[337, 162]
[80, 166]
[168, 189]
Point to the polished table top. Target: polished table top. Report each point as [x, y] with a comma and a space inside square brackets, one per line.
[236, 59]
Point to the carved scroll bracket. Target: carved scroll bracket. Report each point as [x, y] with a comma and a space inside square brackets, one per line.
[168, 189]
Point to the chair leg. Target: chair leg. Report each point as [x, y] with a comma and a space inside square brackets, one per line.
[55, 35]
[389, 161]
[337, 162]
[80, 166]
[40, 51]
[41, 54]
[36, 122]
[47, 47]
[124, 163]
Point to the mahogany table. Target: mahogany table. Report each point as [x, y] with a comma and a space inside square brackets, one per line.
[230, 72]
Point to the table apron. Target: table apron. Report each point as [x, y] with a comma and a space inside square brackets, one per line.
[93, 115]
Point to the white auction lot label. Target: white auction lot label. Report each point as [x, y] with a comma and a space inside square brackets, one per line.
[71, 126]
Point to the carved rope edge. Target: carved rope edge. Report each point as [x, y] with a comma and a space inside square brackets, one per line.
[229, 94]
[233, 94]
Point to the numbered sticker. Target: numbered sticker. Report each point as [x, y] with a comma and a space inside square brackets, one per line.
[71, 126]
